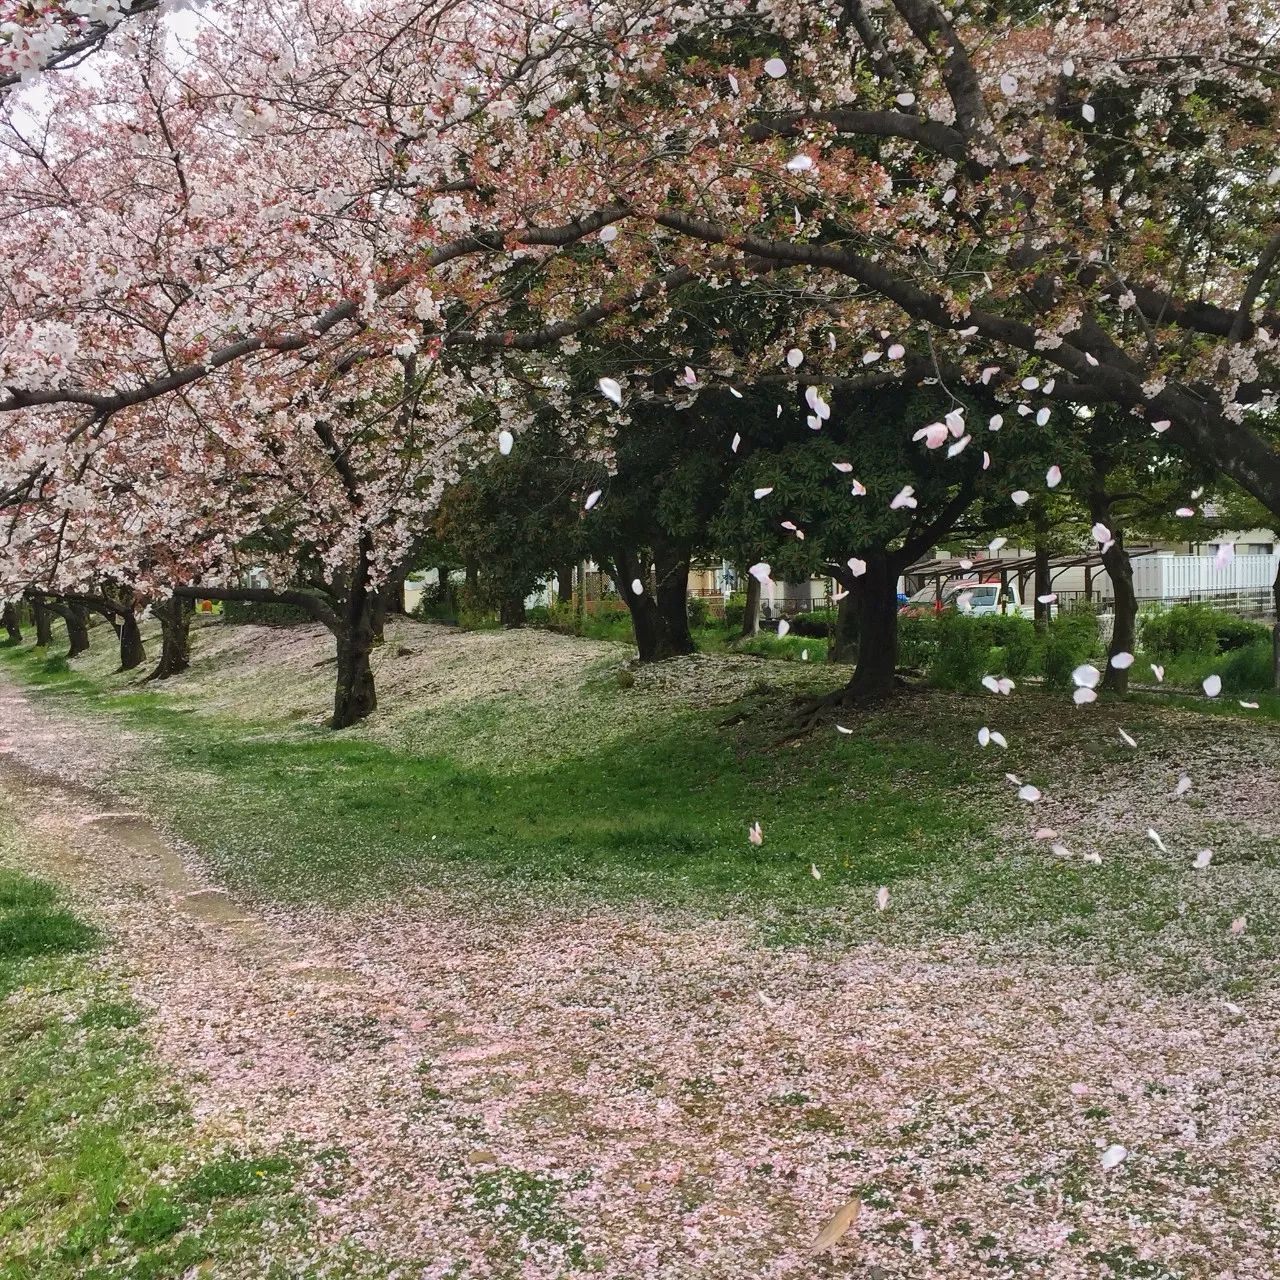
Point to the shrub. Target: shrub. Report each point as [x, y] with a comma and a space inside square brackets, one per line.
[917, 639]
[1238, 633]
[1184, 629]
[1248, 669]
[1069, 640]
[699, 611]
[814, 623]
[435, 605]
[244, 612]
[963, 650]
[735, 609]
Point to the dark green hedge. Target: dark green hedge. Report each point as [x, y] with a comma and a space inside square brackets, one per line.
[264, 615]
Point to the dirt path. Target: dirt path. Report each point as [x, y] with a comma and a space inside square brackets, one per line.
[624, 1095]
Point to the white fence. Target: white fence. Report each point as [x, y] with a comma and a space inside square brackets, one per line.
[1172, 577]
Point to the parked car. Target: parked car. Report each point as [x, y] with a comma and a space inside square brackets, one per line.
[971, 597]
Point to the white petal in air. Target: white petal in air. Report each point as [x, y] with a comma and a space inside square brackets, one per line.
[754, 834]
[857, 567]
[1088, 112]
[765, 492]
[1081, 696]
[1029, 793]
[735, 393]
[859, 490]
[882, 898]
[1008, 84]
[1158, 672]
[959, 447]
[1051, 598]
[608, 233]
[1086, 676]
[611, 390]
[775, 68]
[843, 467]
[1226, 553]
[997, 421]
[505, 441]
[1042, 416]
[896, 351]
[996, 543]
[1128, 741]
[814, 872]
[1053, 477]
[906, 99]
[1154, 836]
[905, 498]
[1202, 859]
[783, 627]
[799, 164]
[737, 440]
[1184, 785]
[760, 572]
[592, 498]
[795, 357]
[1122, 661]
[1101, 533]
[637, 587]
[934, 436]
[1212, 686]
[1112, 1156]
[1161, 427]
[1020, 497]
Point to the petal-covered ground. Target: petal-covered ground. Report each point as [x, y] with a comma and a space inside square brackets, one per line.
[483, 1084]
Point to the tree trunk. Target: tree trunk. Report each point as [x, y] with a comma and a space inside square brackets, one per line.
[77, 619]
[354, 695]
[874, 676]
[751, 611]
[844, 642]
[175, 637]
[1124, 632]
[1275, 633]
[132, 654]
[511, 612]
[653, 642]
[671, 568]
[11, 623]
[564, 584]
[445, 592]
[43, 620]
[1042, 586]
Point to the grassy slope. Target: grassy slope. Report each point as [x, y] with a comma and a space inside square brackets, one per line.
[101, 1171]
[579, 793]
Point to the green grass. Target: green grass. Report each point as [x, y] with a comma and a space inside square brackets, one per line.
[512, 808]
[101, 1175]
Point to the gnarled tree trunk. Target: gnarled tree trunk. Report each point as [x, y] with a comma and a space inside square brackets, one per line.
[671, 569]
[11, 623]
[43, 620]
[654, 641]
[174, 616]
[874, 676]
[132, 654]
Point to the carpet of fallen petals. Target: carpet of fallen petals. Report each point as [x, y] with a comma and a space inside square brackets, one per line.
[493, 1088]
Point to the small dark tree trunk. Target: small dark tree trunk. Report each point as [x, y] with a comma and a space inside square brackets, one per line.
[671, 568]
[379, 607]
[1124, 632]
[1275, 633]
[354, 695]
[11, 623]
[751, 611]
[874, 676]
[43, 620]
[511, 611]
[174, 616]
[132, 654]
[77, 619]
[564, 584]
[844, 642]
[446, 594]
[1042, 585]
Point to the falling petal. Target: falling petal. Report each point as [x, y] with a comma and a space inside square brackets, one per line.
[814, 872]
[1051, 598]
[1162, 426]
[843, 467]
[611, 390]
[637, 587]
[997, 421]
[1212, 686]
[1046, 833]
[984, 736]
[1202, 859]
[857, 567]
[775, 68]
[1112, 1157]
[1086, 676]
[1030, 384]
[505, 442]
[760, 572]
[1042, 416]
[1127, 739]
[1061, 850]
[1005, 686]
[1154, 836]
[904, 498]
[1158, 672]
[783, 627]
[896, 351]
[1029, 793]
[1068, 69]
[999, 739]
[1226, 553]
[1008, 84]
[996, 543]
[905, 99]
[1101, 533]
[1088, 112]
[841, 729]
[1020, 497]
[1053, 477]
[1238, 925]
[1249, 706]
[764, 492]
[1081, 696]
[592, 498]
[794, 358]
[858, 489]
[1095, 858]
[1184, 785]
[608, 233]
[959, 446]
[1185, 513]
[799, 164]
[737, 440]
[882, 898]
[870, 357]
[966, 563]
[934, 436]
[1122, 661]
[754, 834]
